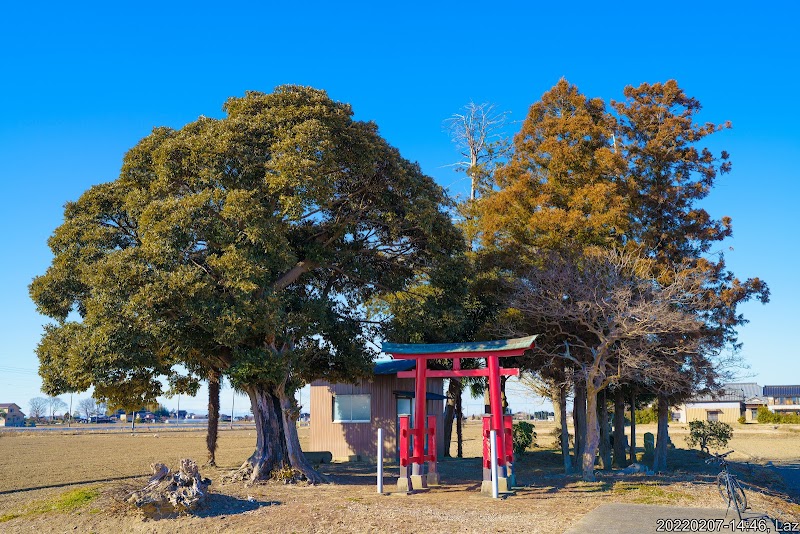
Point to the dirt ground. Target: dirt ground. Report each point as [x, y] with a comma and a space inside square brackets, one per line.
[42, 476]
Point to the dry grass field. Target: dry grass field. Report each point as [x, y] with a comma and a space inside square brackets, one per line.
[72, 481]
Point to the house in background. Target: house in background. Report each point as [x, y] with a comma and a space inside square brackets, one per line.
[782, 399]
[345, 418]
[11, 415]
[731, 402]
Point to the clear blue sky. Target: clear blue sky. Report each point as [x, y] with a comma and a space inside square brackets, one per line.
[83, 82]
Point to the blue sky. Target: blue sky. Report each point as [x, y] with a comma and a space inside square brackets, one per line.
[81, 84]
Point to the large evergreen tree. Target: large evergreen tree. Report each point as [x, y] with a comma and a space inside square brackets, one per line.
[246, 244]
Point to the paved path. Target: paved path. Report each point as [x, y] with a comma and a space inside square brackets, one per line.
[647, 518]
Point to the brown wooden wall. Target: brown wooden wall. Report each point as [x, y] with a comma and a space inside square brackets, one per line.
[345, 440]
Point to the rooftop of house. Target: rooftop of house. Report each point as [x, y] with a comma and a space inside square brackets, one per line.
[782, 391]
[8, 405]
[731, 392]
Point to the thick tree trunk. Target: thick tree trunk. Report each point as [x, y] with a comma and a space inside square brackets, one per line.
[605, 431]
[459, 422]
[562, 411]
[270, 450]
[213, 415]
[290, 413]
[579, 419]
[504, 402]
[453, 390]
[633, 426]
[592, 435]
[619, 429]
[660, 456]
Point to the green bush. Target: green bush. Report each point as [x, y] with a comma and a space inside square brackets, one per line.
[646, 416]
[556, 433]
[707, 434]
[767, 416]
[741, 420]
[523, 436]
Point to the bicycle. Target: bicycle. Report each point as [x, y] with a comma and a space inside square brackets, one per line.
[729, 488]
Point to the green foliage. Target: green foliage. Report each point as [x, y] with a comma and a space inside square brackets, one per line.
[765, 415]
[741, 420]
[707, 434]
[523, 436]
[647, 416]
[247, 244]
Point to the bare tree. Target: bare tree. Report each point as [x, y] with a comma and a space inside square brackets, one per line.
[612, 317]
[37, 408]
[55, 404]
[477, 133]
[87, 407]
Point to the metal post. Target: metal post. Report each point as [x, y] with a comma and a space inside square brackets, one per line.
[233, 403]
[493, 445]
[380, 460]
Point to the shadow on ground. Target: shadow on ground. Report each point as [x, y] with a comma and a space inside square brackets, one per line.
[221, 505]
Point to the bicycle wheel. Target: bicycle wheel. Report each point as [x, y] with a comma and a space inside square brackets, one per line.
[738, 494]
[722, 487]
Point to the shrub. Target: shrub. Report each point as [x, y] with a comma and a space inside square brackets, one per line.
[741, 420]
[523, 436]
[767, 416]
[707, 434]
[646, 416]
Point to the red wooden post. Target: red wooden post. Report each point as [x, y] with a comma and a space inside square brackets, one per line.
[433, 474]
[496, 402]
[421, 392]
[487, 426]
[508, 425]
[404, 480]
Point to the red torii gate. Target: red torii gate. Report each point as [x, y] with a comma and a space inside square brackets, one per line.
[492, 351]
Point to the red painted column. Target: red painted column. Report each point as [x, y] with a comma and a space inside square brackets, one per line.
[496, 403]
[419, 411]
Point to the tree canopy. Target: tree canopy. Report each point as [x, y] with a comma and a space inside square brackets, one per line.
[248, 244]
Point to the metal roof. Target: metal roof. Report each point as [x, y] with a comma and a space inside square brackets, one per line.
[477, 346]
[392, 367]
[748, 389]
[782, 391]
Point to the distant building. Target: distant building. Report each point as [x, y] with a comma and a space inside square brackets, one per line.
[11, 415]
[781, 399]
[731, 402]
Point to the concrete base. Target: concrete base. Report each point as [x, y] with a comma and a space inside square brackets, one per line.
[419, 481]
[404, 485]
[433, 479]
[502, 486]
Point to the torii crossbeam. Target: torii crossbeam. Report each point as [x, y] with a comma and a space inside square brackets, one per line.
[492, 351]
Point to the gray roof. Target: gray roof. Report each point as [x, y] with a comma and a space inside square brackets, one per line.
[392, 367]
[782, 391]
[732, 392]
[478, 346]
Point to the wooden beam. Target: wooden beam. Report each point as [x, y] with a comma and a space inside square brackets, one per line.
[452, 374]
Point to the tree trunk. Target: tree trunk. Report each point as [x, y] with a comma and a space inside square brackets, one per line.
[459, 422]
[213, 415]
[619, 428]
[579, 419]
[605, 434]
[633, 426]
[290, 412]
[270, 450]
[453, 390]
[562, 411]
[660, 456]
[592, 434]
[504, 402]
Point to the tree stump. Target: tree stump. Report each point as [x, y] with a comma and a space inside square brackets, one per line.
[169, 493]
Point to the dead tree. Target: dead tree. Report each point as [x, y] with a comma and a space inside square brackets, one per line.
[477, 135]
